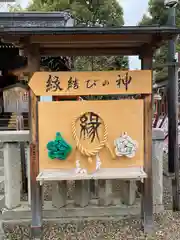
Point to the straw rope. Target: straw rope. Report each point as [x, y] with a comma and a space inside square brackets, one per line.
[96, 150]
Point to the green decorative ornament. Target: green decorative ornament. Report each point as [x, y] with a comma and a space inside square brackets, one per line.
[59, 148]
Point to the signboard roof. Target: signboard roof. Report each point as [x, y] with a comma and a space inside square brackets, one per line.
[55, 34]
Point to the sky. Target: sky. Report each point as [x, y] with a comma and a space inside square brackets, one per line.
[133, 12]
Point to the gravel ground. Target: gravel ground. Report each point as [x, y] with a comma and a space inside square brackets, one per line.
[167, 226]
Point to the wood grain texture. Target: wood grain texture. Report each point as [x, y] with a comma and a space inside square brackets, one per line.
[147, 199]
[120, 116]
[91, 83]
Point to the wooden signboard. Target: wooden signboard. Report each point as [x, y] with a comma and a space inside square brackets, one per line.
[16, 98]
[91, 83]
[119, 116]
[91, 126]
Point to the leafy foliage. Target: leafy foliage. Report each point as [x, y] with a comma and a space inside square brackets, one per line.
[104, 63]
[158, 14]
[89, 13]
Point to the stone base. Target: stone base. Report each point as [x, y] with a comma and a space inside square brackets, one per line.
[70, 211]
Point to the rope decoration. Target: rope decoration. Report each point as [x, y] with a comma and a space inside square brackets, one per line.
[103, 143]
[125, 146]
[59, 148]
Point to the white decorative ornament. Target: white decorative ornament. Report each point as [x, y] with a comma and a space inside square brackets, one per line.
[125, 146]
[80, 170]
[98, 162]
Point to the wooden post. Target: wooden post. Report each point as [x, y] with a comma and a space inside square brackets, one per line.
[28, 173]
[36, 190]
[147, 189]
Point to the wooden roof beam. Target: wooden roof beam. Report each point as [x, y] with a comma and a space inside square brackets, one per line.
[88, 51]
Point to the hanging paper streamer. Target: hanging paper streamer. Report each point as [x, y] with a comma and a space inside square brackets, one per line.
[98, 162]
[80, 170]
[59, 148]
[125, 146]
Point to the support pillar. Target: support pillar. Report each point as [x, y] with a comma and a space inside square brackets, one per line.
[128, 192]
[147, 188]
[173, 145]
[59, 194]
[28, 173]
[33, 54]
[158, 136]
[82, 193]
[12, 175]
[105, 192]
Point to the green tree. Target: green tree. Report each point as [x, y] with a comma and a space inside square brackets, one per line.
[87, 12]
[99, 13]
[158, 14]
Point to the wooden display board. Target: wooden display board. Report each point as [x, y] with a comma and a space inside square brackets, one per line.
[119, 116]
[91, 83]
[16, 98]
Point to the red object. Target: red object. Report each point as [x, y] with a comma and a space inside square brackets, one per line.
[60, 98]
